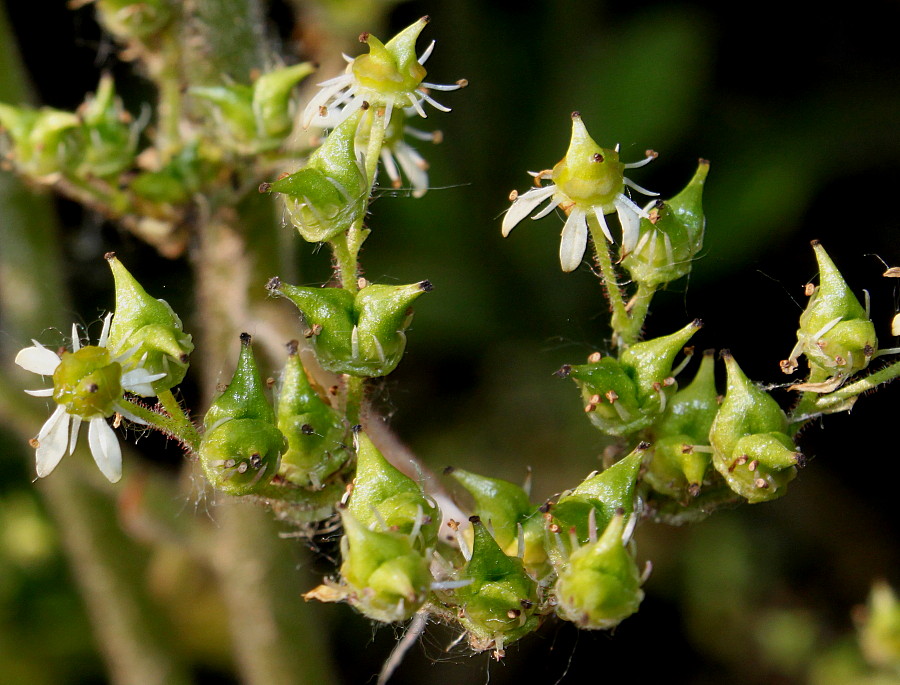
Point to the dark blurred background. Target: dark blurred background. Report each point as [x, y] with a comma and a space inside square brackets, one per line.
[796, 108]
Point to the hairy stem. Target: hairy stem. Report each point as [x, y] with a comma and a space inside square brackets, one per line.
[620, 321]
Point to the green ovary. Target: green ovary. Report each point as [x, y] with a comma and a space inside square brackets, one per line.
[87, 382]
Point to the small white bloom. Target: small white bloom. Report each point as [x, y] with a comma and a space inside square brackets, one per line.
[60, 432]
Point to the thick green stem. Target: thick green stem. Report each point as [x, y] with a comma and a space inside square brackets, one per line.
[176, 424]
[354, 396]
[640, 306]
[620, 322]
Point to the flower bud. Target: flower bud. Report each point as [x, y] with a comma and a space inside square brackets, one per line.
[45, 141]
[362, 335]
[751, 448]
[580, 513]
[241, 448]
[835, 333]
[671, 236]
[87, 382]
[147, 330]
[600, 584]
[111, 142]
[272, 99]
[315, 432]
[384, 576]
[498, 606]
[328, 195]
[676, 469]
[384, 498]
[879, 629]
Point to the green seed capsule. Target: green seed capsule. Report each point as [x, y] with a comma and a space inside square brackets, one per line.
[45, 141]
[87, 382]
[390, 69]
[751, 448]
[600, 584]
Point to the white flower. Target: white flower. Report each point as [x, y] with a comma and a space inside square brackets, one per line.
[589, 182]
[60, 431]
[388, 76]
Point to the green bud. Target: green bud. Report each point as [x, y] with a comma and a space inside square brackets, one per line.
[315, 432]
[581, 512]
[111, 142]
[272, 99]
[362, 335]
[649, 363]
[148, 330]
[677, 469]
[387, 499]
[130, 19]
[385, 577]
[241, 449]
[600, 585]
[751, 448]
[45, 141]
[393, 69]
[502, 505]
[671, 237]
[87, 382]
[835, 333]
[879, 630]
[329, 194]
[498, 606]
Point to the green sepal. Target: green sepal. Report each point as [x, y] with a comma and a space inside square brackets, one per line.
[671, 237]
[361, 335]
[45, 141]
[110, 142]
[498, 606]
[751, 448]
[391, 69]
[272, 99]
[605, 493]
[600, 585]
[129, 19]
[87, 382]
[693, 408]
[650, 362]
[315, 432]
[502, 505]
[386, 578]
[244, 397]
[329, 194]
[240, 456]
[835, 333]
[384, 498]
[589, 174]
[148, 330]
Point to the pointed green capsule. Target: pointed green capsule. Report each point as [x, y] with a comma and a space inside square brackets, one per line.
[609, 395]
[111, 141]
[600, 585]
[393, 69]
[676, 469]
[589, 174]
[386, 499]
[45, 141]
[272, 99]
[581, 512]
[501, 505]
[835, 333]
[329, 194]
[362, 335]
[148, 330]
[671, 237]
[650, 362]
[315, 432]
[498, 606]
[241, 449]
[751, 448]
[386, 578]
[130, 19]
[88, 382]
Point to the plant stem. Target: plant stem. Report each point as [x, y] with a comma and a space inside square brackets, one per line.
[354, 395]
[173, 407]
[870, 382]
[620, 322]
[638, 311]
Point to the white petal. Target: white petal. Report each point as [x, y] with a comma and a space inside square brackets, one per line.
[73, 433]
[139, 381]
[46, 392]
[523, 205]
[640, 189]
[105, 449]
[414, 167]
[128, 415]
[574, 240]
[76, 341]
[631, 224]
[104, 334]
[425, 55]
[601, 219]
[52, 441]
[38, 359]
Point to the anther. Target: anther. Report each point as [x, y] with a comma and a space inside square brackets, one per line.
[594, 357]
[761, 483]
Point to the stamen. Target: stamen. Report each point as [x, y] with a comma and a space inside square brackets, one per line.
[640, 189]
[427, 53]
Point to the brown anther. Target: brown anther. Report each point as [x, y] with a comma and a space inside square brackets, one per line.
[283, 174]
[788, 366]
[553, 528]
[333, 390]
[117, 420]
[589, 407]
[753, 465]
[221, 387]
[270, 382]
[437, 137]
[611, 396]
[563, 371]
[364, 36]
[34, 443]
[620, 511]
[809, 289]
[653, 215]
[690, 349]
[651, 153]
[732, 466]
[720, 399]
[545, 507]
[361, 283]
[594, 357]
[595, 399]
[498, 654]
[868, 350]
[453, 525]
[741, 460]
[109, 256]
[761, 483]
[657, 386]
[669, 382]
[694, 489]
[800, 459]
[462, 83]
[513, 613]
[821, 344]
[687, 449]
[256, 460]
[839, 360]
[513, 195]
[893, 272]
[242, 467]
[323, 111]
[316, 329]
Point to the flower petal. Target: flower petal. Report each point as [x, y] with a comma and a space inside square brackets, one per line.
[574, 240]
[139, 381]
[631, 224]
[45, 392]
[523, 205]
[38, 359]
[105, 449]
[104, 334]
[76, 341]
[414, 166]
[52, 441]
[601, 219]
[73, 433]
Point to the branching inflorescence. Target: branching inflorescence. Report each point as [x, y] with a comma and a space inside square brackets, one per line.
[514, 562]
